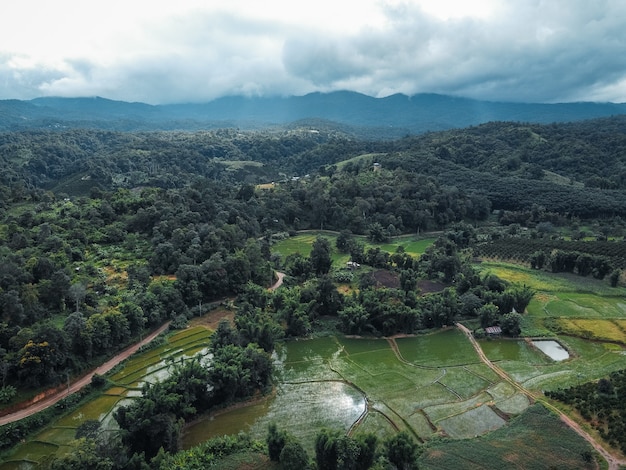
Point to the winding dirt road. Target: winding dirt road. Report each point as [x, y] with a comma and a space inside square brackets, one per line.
[614, 463]
[53, 396]
[49, 399]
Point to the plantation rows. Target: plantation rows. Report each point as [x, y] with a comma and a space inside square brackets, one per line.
[602, 403]
[522, 249]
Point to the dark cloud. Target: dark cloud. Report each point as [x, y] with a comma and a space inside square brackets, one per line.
[530, 50]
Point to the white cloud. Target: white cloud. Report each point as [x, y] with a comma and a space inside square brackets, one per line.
[194, 50]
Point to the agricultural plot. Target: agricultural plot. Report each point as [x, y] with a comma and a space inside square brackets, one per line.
[303, 242]
[571, 304]
[444, 348]
[544, 281]
[536, 371]
[535, 439]
[472, 423]
[428, 385]
[604, 330]
[140, 368]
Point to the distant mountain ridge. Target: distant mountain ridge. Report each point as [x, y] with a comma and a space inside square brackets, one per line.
[393, 115]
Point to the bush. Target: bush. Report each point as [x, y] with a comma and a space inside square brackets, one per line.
[293, 456]
[98, 381]
[7, 393]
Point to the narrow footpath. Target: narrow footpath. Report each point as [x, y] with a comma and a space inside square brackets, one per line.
[613, 462]
[53, 398]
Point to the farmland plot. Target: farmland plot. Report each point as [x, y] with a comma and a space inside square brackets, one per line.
[142, 367]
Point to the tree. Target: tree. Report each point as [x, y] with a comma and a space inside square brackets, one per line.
[343, 241]
[354, 319]
[510, 324]
[377, 234]
[408, 280]
[78, 291]
[488, 315]
[401, 451]
[293, 456]
[275, 440]
[85, 455]
[328, 299]
[320, 256]
[325, 449]
[75, 326]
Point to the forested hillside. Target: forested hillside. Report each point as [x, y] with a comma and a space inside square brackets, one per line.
[572, 169]
[389, 117]
[105, 235]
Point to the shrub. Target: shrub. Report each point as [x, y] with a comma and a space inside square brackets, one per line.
[7, 393]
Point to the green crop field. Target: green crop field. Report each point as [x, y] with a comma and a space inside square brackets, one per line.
[142, 367]
[432, 385]
[436, 385]
[536, 439]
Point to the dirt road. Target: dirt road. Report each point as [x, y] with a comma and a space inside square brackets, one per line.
[53, 396]
[613, 462]
[279, 281]
[51, 399]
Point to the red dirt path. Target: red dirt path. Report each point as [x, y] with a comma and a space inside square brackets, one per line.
[52, 396]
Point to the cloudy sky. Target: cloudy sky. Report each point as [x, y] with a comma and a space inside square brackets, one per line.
[197, 50]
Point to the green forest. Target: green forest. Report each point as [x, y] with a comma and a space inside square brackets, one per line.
[105, 236]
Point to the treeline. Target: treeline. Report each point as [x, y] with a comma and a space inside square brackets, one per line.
[585, 258]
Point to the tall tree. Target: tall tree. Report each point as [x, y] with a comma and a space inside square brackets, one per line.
[321, 260]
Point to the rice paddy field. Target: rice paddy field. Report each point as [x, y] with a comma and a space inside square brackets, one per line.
[144, 367]
[430, 385]
[434, 385]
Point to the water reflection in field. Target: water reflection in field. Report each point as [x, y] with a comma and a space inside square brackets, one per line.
[300, 408]
[552, 349]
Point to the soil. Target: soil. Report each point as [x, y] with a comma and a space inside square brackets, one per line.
[386, 279]
[429, 287]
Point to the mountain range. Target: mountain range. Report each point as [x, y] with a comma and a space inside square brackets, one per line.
[392, 116]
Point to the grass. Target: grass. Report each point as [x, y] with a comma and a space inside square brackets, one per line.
[303, 243]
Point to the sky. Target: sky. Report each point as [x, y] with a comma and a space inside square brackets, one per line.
[183, 51]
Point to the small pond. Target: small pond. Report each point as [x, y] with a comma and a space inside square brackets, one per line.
[552, 349]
